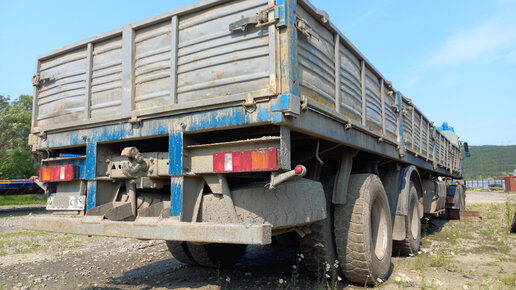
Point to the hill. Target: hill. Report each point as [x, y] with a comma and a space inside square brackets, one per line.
[490, 160]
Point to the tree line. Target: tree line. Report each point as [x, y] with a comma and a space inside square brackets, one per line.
[16, 158]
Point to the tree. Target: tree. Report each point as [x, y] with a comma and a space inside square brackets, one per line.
[16, 160]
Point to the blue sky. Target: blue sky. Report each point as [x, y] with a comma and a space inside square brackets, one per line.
[455, 59]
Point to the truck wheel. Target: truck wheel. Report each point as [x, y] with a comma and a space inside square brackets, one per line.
[363, 230]
[318, 246]
[215, 255]
[179, 251]
[410, 245]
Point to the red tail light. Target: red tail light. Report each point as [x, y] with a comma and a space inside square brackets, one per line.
[450, 201]
[246, 160]
[58, 173]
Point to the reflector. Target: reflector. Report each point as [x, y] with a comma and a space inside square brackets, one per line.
[246, 160]
[58, 173]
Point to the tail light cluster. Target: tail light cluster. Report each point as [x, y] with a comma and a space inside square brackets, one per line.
[246, 160]
[59, 173]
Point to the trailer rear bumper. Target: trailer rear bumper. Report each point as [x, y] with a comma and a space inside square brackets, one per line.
[153, 228]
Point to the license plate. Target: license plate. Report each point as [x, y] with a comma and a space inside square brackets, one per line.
[66, 202]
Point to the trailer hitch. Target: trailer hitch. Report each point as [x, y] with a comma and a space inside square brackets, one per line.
[135, 163]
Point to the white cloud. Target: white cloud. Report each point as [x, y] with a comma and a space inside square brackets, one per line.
[488, 40]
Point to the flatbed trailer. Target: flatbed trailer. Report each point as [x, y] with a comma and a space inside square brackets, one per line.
[19, 186]
[225, 123]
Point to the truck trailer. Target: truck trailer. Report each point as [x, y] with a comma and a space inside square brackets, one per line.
[227, 123]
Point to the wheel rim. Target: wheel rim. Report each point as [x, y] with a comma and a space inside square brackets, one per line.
[379, 229]
[414, 219]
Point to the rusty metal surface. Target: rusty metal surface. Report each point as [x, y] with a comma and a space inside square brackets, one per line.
[154, 228]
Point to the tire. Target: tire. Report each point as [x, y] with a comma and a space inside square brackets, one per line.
[410, 245]
[180, 252]
[363, 231]
[318, 246]
[216, 255]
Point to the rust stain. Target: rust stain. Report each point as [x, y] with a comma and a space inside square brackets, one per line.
[184, 84]
[217, 76]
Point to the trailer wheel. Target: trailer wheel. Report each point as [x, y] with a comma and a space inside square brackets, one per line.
[215, 255]
[363, 231]
[180, 252]
[410, 245]
[318, 246]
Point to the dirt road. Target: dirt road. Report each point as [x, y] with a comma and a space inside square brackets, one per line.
[473, 197]
[453, 254]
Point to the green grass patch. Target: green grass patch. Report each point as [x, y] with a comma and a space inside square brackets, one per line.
[26, 234]
[24, 199]
[509, 280]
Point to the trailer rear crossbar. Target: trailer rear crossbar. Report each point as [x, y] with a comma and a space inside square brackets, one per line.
[155, 229]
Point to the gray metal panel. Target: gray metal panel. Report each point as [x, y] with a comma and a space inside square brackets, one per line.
[106, 82]
[350, 85]
[158, 65]
[61, 99]
[407, 124]
[373, 106]
[215, 62]
[390, 114]
[127, 70]
[316, 59]
[424, 137]
[417, 131]
[152, 65]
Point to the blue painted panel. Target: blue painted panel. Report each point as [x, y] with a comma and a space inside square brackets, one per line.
[213, 119]
[17, 184]
[176, 196]
[91, 156]
[91, 194]
[175, 153]
[279, 13]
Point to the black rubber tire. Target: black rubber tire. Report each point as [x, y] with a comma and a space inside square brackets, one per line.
[216, 255]
[318, 246]
[410, 245]
[363, 231]
[513, 225]
[180, 252]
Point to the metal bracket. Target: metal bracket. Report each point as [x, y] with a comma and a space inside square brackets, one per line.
[249, 104]
[38, 80]
[135, 121]
[277, 178]
[304, 103]
[305, 28]
[260, 19]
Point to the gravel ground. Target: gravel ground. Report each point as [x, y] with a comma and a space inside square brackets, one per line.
[473, 197]
[37, 260]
